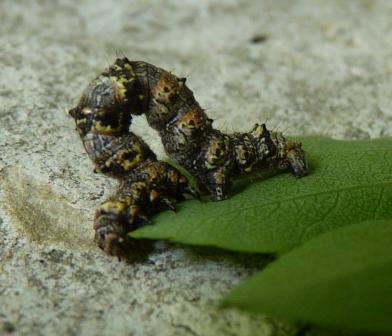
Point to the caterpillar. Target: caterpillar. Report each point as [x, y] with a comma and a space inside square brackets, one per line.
[103, 117]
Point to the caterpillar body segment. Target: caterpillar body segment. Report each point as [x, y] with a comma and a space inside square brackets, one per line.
[151, 187]
[116, 155]
[103, 117]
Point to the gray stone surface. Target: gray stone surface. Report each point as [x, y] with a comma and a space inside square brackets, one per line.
[319, 67]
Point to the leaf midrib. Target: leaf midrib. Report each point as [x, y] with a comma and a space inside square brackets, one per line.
[385, 184]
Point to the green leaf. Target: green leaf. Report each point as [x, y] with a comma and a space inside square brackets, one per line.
[340, 279]
[350, 181]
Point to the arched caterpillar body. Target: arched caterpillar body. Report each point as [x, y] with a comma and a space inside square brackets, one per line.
[103, 116]
[127, 88]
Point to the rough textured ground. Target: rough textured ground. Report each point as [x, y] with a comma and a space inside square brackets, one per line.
[307, 67]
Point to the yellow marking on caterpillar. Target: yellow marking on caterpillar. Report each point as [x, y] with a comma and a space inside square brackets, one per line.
[104, 129]
[128, 67]
[114, 207]
[127, 200]
[120, 89]
[259, 130]
[130, 164]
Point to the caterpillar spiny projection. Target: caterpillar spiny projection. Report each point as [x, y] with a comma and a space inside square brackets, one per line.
[103, 117]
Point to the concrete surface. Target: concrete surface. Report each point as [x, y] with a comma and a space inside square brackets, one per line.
[306, 67]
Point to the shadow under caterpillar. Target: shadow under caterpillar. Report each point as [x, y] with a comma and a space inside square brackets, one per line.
[103, 117]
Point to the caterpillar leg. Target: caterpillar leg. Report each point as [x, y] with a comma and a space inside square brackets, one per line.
[217, 183]
[213, 165]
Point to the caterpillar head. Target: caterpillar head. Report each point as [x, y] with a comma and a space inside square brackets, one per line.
[113, 240]
[294, 159]
[109, 233]
[280, 152]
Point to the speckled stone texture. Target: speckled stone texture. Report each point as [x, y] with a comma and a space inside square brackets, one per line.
[305, 67]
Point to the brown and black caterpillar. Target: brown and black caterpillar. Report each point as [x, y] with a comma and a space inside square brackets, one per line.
[103, 117]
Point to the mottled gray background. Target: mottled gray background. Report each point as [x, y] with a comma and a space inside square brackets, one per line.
[306, 67]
